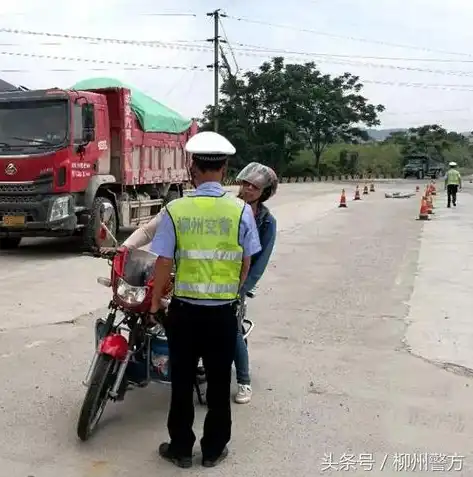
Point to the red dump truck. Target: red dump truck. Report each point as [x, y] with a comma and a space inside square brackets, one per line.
[63, 153]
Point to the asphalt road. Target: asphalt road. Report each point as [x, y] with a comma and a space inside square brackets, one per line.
[362, 349]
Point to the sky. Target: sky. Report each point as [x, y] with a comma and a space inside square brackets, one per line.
[414, 59]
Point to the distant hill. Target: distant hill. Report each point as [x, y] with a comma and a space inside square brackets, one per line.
[381, 134]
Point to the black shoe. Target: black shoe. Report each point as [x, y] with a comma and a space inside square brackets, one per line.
[448, 206]
[212, 462]
[166, 453]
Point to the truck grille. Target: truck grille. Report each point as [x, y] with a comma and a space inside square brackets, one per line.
[42, 185]
[6, 199]
[12, 188]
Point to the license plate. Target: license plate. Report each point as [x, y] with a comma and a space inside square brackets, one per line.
[13, 220]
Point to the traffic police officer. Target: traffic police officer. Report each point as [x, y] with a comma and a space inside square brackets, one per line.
[453, 182]
[211, 236]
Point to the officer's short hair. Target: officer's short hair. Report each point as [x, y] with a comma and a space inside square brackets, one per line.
[206, 165]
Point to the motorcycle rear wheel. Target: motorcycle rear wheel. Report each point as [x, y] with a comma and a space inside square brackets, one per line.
[96, 397]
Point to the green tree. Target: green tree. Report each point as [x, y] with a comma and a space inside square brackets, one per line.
[431, 139]
[274, 113]
[330, 110]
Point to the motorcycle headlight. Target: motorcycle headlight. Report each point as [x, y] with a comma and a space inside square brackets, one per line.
[130, 295]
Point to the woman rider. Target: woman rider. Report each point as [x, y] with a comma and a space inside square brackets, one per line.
[257, 184]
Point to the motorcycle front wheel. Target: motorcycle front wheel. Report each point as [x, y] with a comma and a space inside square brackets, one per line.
[96, 397]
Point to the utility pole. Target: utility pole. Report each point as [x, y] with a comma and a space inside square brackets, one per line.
[216, 65]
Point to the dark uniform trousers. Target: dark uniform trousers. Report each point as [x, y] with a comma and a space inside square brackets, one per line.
[452, 190]
[209, 332]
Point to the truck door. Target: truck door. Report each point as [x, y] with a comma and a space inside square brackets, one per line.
[94, 157]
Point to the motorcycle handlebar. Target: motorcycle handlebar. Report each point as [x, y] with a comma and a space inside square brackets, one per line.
[101, 253]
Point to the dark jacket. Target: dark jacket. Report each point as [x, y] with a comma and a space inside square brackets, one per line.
[266, 224]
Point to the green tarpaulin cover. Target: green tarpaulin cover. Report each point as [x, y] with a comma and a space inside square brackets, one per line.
[152, 115]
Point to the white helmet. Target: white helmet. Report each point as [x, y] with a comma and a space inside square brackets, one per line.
[452, 164]
[262, 177]
[210, 146]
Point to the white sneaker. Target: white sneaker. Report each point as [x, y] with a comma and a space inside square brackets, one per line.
[244, 394]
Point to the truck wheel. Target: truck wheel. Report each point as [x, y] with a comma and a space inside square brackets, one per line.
[9, 243]
[171, 195]
[92, 229]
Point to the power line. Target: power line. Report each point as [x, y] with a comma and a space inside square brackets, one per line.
[196, 67]
[98, 39]
[145, 14]
[445, 87]
[320, 58]
[41, 43]
[105, 62]
[246, 50]
[68, 70]
[257, 48]
[162, 44]
[329, 61]
[145, 66]
[343, 37]
[227, 41]
[175, 84]
[168, 14]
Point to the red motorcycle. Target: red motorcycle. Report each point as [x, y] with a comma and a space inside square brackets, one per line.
[129, 353]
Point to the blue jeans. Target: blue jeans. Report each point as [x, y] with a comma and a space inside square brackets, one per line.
[242, 364]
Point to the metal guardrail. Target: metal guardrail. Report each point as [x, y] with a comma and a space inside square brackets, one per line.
[330, 178]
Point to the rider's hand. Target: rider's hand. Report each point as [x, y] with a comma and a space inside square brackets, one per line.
[112, 249]
[152, 318]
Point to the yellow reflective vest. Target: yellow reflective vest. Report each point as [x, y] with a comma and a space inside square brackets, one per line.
[208, 253]
[453, 177]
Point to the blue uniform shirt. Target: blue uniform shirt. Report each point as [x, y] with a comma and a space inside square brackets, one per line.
[164, 241]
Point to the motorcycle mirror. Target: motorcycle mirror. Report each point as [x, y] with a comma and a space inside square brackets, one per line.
[106, 212]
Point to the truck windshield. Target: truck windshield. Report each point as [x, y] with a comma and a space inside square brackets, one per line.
[32, 124]
[414, 161]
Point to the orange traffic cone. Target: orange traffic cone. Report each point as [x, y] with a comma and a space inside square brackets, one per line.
[357, 193]
[424, 210]
[433, 189]
[430, 204]
[365, 190]
[372, 187]
[343, 199]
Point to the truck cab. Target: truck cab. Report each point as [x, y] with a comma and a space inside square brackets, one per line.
[421, 166]
[64, 152]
